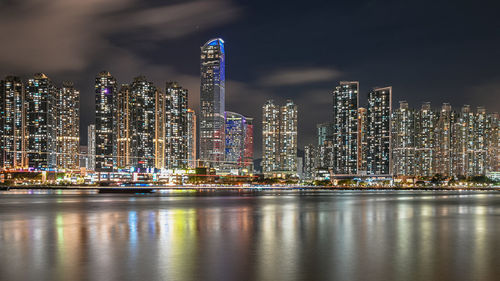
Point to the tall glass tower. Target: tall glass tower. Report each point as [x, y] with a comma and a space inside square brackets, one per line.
[212, 103]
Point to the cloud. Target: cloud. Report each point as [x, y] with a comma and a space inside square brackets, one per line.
[297, 76]
[177, 20]
[70, 35]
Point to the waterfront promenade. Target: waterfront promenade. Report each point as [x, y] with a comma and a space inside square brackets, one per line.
[160, 188]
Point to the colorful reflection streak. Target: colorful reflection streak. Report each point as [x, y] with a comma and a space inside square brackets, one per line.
[269, 236]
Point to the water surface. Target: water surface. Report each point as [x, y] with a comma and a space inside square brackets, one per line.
[250, 236]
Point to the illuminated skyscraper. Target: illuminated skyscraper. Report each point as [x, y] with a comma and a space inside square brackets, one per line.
[12, 124]
[345, 135]
[160, 134]
[270, 137]
[493, 143]
[105, 94]
[239, 143]
[191, 138]
[41, 100]
[378, 157]
[288, 137]
[478, 165]
[279, 139]
[310, 156]
[235, 140]
[176, 126]
[123, 128]
[248, 150]
[442, 163]
[143, 115]
[212, 95]
[325, 132]
[403, 140]
[325, 146]
[425, 122]
[362, 140]
[462, 140]
[91, 149]
[68, 127]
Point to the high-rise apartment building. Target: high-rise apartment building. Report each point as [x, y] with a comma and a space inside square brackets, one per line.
[12, 124]
[176, 126]
[442, 160]
[480, 144]
[403, 141]
[235, 140]
[325, 132]
[345, 135]
[362, 140]
[493, 143]
[212, 103]
[270, 137]
[248, 149]
[288, 137]
[160, 133]
[325, 146]
[68, 127]
[105, 94]
[425, 122]
[41, 122]
[378, 156]
[91, 148]
[310, 156]
[279, 138]
[143, 126]
[123, 134]
[191, 138]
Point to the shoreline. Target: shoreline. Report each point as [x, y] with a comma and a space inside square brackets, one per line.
[151, 189]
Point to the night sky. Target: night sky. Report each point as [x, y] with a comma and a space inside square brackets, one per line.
[437, 51]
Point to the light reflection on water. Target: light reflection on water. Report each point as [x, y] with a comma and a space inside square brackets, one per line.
[240, 236]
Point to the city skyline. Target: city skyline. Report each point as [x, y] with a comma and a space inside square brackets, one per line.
[422, 60]
[249, 140]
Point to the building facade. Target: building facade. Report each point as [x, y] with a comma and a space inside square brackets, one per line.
[279, 139]
[68, 127]
[176, 126]
[310, 156]
[143, 115]
[212, 103]
[442, 160]
[91, 148]
[288, 137]
[345, 135]
[362, 140]
[191, 138]
[12, 124]
[378, 133]
[270, 137]
[41, 122]
[123, 128]
[403, 141]
[235, 141]
[425, 122]
[105, 94]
